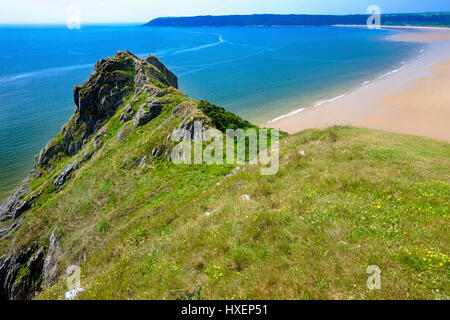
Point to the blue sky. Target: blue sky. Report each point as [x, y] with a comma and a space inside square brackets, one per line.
[117, 11]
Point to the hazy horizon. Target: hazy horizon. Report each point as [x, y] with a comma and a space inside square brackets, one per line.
[134, 23]
[29, 12]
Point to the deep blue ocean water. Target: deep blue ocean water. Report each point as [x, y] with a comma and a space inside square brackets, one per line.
[258, 73]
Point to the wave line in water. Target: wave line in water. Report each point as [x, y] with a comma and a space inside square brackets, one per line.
[220, 37]
[209, 65]
[43, 73]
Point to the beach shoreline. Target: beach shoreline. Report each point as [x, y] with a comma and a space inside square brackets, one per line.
[391, 102]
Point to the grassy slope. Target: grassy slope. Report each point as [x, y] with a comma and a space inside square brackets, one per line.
[357, 198]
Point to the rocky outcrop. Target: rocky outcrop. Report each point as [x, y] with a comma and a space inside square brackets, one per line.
[9, 227]
[122, 134]
[143, 161]
[28, 270]
[124, 77]
[190, 129]
[18, 202]
[65, 174]
[127, 115]
[20, 274]
[100, 96]
[171, 78]
[50, 268]
[158, 151]
[47, 153]
[147, 112]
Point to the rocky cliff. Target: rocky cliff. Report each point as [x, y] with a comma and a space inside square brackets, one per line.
[123, 95]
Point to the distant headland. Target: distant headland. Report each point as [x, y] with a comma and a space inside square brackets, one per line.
[436, 19]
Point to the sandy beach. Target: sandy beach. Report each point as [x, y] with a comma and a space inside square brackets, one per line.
[413, 100]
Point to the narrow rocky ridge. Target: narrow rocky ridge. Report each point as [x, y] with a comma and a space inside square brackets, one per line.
[125, 94]
[23, 271]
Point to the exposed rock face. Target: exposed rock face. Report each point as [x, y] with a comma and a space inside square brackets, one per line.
[20, 274]
[122, 134]
[99, 97]
[23, 271]
[171, 78]
[190, 129]
[143, 161]
[65, 173]
[95, 101]
[50, 267]
[127, 115]
[147, 112]
[181, 109]
[14, 206]
[46, 154]
[103, 92]
[6, 229]
[159, 150]
[9, 268]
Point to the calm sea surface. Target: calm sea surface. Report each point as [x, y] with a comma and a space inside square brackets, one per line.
[257, 73]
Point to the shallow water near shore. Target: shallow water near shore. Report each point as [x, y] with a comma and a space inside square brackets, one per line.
[257, 73]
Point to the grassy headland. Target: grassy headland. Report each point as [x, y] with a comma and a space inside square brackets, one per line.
[142, 227]
[435, 19]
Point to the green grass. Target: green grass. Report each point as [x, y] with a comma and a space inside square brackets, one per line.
[358, 198]
[343, 199]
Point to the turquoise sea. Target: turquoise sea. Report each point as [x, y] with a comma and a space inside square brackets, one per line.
[258, 73]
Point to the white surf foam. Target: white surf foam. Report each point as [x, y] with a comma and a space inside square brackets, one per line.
[318, 103]
[43, 73]
[321, 102]
[391, 72]
[287, 115]
[220, 37]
